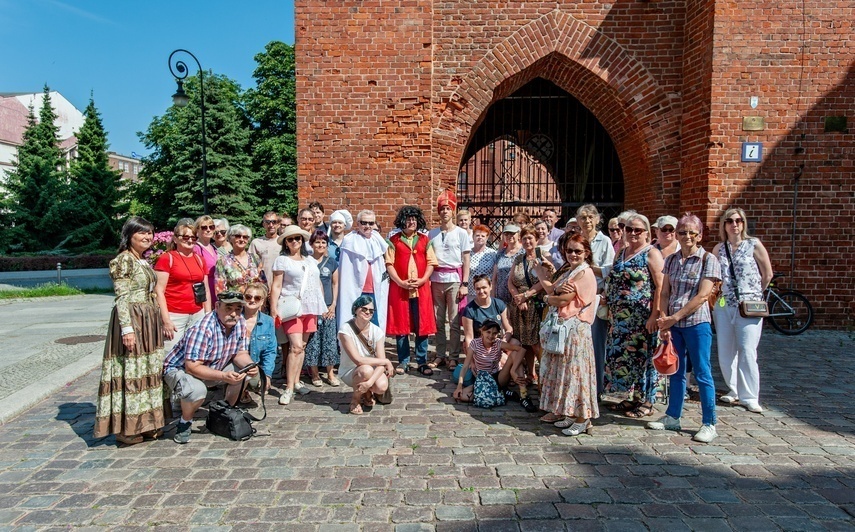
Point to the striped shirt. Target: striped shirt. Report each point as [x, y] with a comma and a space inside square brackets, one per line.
[206, 341]
[684, 276]
[483, 359]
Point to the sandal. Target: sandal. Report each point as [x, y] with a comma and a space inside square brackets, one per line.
[318, 383]
[356, 409]
[436, 363]
[425, 370]
[551, 418]
[368, 400]
[623, 406]
[565, 423]
[642, 410]
[399, 370]
[451, 364]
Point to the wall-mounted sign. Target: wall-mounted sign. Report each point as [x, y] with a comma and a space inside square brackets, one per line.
[753, 123]
[752, 152]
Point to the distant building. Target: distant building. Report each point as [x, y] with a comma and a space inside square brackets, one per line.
[14, 110]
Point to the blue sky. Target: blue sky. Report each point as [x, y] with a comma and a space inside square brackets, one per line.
[119, 50]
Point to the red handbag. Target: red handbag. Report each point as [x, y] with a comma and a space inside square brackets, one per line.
[665, 359]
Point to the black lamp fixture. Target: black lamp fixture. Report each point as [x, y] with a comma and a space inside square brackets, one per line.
[179, 72]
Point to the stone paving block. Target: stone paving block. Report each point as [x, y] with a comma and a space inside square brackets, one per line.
[717, 496]
[542, 510]
[414, 527]
[541, 525]
[412, 514]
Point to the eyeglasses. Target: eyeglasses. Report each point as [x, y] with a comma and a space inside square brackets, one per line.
[666, 229]
[241, 237]
[734, 221]
[294, 239]
[574, 229]
[270, 222]
[187, 238]
[585, 217]
[206, 227]
[635, 230]
[614, 229]
[307, 219]
[250, 298]
[221, 232]
[690, 233]
[573, 251]
[365, 223]
[369, 311]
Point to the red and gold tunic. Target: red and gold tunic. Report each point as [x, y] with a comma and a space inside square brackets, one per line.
[410, 258]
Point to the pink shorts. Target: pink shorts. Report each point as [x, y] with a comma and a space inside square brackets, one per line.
[300, 324]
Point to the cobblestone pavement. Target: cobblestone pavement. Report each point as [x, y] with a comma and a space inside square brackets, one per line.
[425, 463]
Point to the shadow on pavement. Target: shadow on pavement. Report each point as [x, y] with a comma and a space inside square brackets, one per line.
[81, 418]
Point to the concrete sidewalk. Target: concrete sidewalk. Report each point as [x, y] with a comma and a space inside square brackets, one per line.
[426, 463]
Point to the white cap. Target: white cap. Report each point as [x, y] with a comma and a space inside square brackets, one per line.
[343, 216]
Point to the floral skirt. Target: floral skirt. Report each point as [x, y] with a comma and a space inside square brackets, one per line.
[322, 348]
[130, 393]
[568, 381]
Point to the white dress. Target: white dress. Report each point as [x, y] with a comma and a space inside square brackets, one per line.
[346, 368]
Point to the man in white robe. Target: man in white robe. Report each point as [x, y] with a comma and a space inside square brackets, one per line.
[362, 270]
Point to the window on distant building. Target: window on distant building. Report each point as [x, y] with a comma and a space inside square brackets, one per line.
[136, 168]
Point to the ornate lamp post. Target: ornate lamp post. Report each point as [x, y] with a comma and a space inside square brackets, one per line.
[179, 72]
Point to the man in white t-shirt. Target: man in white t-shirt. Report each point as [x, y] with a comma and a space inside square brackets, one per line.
[452, 246]
[266, 248]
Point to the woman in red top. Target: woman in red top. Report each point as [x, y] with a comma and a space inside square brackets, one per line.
[178, 270]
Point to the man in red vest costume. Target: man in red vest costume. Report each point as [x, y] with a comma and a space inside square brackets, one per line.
[410, 261]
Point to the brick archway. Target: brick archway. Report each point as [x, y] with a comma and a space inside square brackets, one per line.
[638, 115]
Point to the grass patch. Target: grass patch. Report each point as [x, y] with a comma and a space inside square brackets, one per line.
[42, 290]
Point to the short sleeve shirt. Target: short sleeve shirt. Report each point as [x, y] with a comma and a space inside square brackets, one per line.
[207, 342]
[183, 273]
[684, 276]
[449, 247]
[479, 315]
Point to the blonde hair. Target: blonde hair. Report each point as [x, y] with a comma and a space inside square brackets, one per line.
[722, 232]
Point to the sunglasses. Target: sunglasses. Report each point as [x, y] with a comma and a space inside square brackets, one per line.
[666, 229]
[573, 251]
[270, 222]
[614, 229]
[365, 223]
[206, 227]
[621, 225]
[294, 239]
[187, 238]
[635, 230]
[575, 229]
[370, 311]
[221, 232]
[250, 298]
[734, 221]
[690, 233]
[241, 237]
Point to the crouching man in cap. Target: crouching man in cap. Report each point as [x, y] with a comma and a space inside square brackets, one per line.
[208, 354]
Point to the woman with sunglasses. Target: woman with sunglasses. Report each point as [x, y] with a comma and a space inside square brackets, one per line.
[737, 337]
[296, 274]
[182, 288]
[685, 320]
[262, 334]
[238, 268]
[632, 294]
[666, 236]
[568, 386]
[206, 249]
[364, 367]
[221, 231]
[615, 233]
[322, 349]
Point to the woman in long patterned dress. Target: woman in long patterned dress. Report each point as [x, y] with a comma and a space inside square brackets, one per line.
[130, 394]
[568, 379]
[632, 294]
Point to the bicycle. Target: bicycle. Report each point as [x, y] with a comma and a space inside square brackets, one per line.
[790, 312]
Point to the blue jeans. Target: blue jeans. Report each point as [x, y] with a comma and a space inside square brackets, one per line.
[694, 342]
[403, 342]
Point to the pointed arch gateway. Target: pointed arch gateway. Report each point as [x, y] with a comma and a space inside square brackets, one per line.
[553, 56]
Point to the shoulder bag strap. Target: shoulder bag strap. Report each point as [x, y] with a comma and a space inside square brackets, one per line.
[525, 272]
[263, 384]
[732, 271]
[362, 339]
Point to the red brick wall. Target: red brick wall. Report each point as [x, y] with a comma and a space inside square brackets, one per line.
[389, 93]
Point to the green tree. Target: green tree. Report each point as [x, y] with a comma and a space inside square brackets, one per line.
[94, 200]
[171, 178]
[36, 185]
[273, 110]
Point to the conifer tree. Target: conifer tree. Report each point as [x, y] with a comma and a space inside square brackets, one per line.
[94, 202]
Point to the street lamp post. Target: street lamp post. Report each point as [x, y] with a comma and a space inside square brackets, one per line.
[179, 72]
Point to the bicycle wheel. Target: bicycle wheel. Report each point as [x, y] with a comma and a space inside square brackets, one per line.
[787, 323]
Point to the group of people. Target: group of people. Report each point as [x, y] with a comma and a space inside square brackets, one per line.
[571, 313]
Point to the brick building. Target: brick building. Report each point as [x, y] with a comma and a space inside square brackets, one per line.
[398, 99]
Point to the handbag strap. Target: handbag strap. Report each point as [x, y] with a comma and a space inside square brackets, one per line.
[732, 271]
[362, 339]
[263, 382]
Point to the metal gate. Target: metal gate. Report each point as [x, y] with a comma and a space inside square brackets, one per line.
[535, 149]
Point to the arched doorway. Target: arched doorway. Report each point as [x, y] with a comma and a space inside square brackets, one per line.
[535, 149]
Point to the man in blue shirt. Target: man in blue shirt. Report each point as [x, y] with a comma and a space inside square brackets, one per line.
[207, 354]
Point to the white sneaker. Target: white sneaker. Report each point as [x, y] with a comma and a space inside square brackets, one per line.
[665, 422]
[706, 434]
[753, 407]
[728, 399]
[285, 398]
[300, 388]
